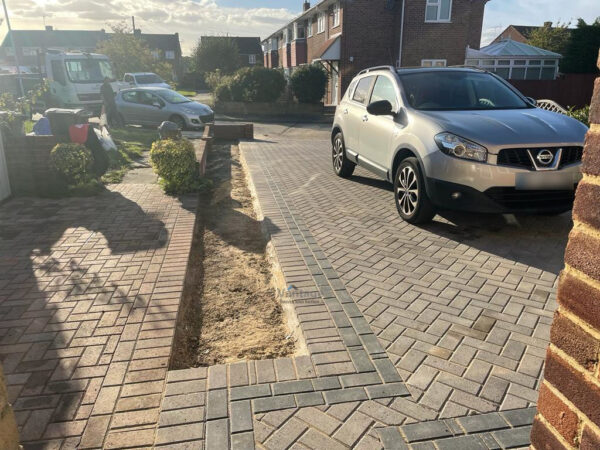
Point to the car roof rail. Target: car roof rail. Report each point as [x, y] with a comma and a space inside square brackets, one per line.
[373, 69]
[466, 66]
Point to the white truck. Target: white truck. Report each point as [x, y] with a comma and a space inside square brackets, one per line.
[75, 78]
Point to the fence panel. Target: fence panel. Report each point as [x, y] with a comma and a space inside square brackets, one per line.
[573, 89]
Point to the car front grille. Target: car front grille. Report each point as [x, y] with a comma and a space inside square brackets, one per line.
[89, 97]
[516, 200]
[519, 157]
[208, 118]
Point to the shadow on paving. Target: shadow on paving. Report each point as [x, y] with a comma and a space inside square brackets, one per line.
[58, 259]
[495, 233]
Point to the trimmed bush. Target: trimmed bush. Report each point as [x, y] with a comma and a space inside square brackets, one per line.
[175, 163]
[251, 84]
[72, 162]
[309, 83]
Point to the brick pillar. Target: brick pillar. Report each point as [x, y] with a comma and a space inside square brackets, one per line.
[569, 404]
[9, 437]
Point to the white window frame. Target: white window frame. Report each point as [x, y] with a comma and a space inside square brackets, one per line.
[492, 65]
[252, 59]
[434, 62]
[170, 54]
[309, 28]
[336, 15]
[438, 5]
[321, 23]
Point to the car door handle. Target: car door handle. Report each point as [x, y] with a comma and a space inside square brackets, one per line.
[346, 111]
[365, 118]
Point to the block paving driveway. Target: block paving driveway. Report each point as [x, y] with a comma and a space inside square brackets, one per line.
[416, 337]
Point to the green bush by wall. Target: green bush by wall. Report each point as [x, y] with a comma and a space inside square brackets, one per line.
[309, 83]
[174, 161]
[72, 162]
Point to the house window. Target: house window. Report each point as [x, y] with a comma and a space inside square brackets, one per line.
[170, 54]
[309, 27]
[252, 59]
[336, 15]
[438, 10]
[155, 54]
[321, 23]
[433, 63]
[299, 32]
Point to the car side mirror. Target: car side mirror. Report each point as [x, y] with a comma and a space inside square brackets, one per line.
[531, 100]
[380, 108]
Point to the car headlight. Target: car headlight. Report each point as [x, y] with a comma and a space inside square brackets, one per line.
[459, 147]
[189, 111]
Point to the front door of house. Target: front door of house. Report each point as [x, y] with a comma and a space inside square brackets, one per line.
[335, 82]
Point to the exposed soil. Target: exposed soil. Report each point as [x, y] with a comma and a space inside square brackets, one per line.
[230, 310]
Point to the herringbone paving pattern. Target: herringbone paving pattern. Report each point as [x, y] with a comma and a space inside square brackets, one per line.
[463, 309]
[89, 291]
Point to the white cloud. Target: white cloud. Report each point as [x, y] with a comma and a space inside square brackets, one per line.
[191, 18]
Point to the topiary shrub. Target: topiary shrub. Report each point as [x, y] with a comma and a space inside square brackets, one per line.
[175, 163]
[309, 83]
[72, 162]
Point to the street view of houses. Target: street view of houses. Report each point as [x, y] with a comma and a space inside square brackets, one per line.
[293, 224]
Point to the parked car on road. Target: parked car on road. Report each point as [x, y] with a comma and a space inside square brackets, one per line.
[151, 106]
[457, 138]
[145, 79]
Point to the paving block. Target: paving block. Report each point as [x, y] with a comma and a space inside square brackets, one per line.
[273, 403]
[387, 390]
[345, 395]
[426, 431]
[241, 416]
[217, 435]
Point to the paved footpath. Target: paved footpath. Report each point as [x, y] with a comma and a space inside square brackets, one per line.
[89, 291]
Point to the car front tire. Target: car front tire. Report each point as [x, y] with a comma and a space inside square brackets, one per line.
[179, 121]
[412, 201]
[342, 166]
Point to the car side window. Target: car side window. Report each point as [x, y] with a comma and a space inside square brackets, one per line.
[128, 79]
[384, 90]
[146, 98]
[130, 97]
[350, 89]
[361, 94]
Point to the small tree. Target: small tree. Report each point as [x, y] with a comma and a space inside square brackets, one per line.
[129, 53]
[309, 83]
[554, 39]
[216, 53]
[581, 52]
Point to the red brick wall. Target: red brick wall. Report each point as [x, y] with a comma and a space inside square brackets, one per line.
[441, 40]
[569, 404]
[511, 33]
[298, 53]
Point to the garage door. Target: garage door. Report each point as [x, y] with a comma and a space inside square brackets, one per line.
[4, 183]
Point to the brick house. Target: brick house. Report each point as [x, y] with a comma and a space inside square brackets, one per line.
[29, 43]
[519, 33]
[347, 36]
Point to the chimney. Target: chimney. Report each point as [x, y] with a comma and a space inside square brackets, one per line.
[49, 28]
[547, 24]
[306, 6]
[137, 32]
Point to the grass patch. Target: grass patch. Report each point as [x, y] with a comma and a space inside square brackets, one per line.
[131, 144]
[187, 93]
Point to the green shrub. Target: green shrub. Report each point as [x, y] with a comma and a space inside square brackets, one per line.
[72, 162]
[175, 163]
[223, 92]
[251, 84]
[214, 79]
[582, 114]
[309, 83]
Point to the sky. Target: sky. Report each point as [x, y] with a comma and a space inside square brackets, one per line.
[193, 18]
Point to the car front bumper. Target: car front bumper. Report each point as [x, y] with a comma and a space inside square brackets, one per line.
[200, 121]
[454, 183]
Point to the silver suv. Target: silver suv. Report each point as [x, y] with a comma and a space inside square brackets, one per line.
[457, 138]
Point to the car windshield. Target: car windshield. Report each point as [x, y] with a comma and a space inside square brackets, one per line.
[458, 91]
[149, 79]
[89, 70]
[173, 97]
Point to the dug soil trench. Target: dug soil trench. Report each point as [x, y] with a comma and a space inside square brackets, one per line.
[230, 310]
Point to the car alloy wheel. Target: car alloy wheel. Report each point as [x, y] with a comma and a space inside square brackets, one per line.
[338, 154]
[407, 191]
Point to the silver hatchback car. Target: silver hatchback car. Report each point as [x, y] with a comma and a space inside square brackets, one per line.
[152, 106]
[457, 138]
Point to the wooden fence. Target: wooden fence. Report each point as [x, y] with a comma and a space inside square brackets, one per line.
[572, 89]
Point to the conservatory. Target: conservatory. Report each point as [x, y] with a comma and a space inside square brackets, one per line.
[514, 60]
